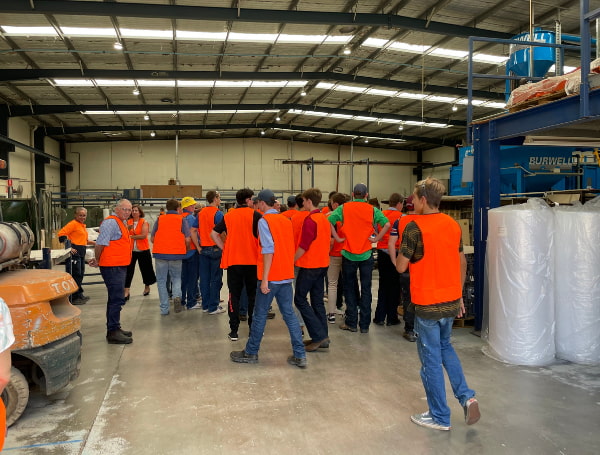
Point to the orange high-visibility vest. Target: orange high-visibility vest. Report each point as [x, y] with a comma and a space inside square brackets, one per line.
[282, 266]
[358, 226]
[336, 247]
[318, 253]
[241, 247]
[168, 238]
[206, 223]
[75, 231]
[142, 244]
[436, 277]
[297, 222]
[392, 216]
[117, 252]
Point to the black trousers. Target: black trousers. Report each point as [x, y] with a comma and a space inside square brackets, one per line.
[144, 258]
[409, 316]
[388, 296]
[238, 277]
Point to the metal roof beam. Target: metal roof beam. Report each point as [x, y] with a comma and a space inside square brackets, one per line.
[96, 8]
[30, 74]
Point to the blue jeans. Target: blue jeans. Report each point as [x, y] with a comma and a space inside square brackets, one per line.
[172, 269]
[436, 353]
[312, 281]
[284, 294]
[114, 279]
[189, 280]
[355, 302]
[211, 277]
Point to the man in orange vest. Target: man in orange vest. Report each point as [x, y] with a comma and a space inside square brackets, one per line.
[292, 207]
[358, 218]
[113, 255]
[76, 231]
[388, 296]
[432, 248]
[275, 272]
[312, 260]
[171, 238]
[211, 273]
[240, 255]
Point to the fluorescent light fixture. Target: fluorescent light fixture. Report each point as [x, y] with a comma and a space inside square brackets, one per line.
[277, 119]
[146, 117]
[450, 53]
[441, 99]
[487, 58]
[73, 82]
[29, 31]
[365, 118]
[136, 92]
[454, 108]
[562, 141]
[341, 116]
[153, 133]
[262, 132]
[89, 32]
[388, 120]
[375, 42]
[413, 123]
[349, 88]
[413, 48]
[495, 105]
[302, 93]
[366, 140]
[436, 125]
[118, 46]
[347, 51]
[412, 96]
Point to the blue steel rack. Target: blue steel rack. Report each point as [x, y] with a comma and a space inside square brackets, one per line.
[489, 135]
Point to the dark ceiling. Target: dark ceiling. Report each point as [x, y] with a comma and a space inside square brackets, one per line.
[69, 79]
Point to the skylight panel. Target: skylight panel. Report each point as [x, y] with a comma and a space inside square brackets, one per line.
[338, 39]
[73, 82]
[389, 120]
[141, 33]
[233, 84]
[487, 58]
[295, 83]
[252, 37]
[379, 92]
[299, 39]
[313, 113]
[29, 31]
[188, 83]
[412, 96]
[414, 48]
[365, 118]
[115, 82]
[350, 88]
[474, 102]
[200, 36]
[414, 123]
[341, 116]
[375, 42]
[450, 53]
[325, 85]
[436, 125]
[156, 83]
[441, 99]
[495, 105]
[277, 84]
[89, 32]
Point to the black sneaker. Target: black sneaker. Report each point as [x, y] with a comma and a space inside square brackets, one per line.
[410, 336]
[242, 357]
[270, 315]
[301, 363]
[243, 317]
[233, 336]
[127, 333]
[331, 318]
[116, 337]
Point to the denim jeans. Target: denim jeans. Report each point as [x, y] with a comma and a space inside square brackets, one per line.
[114, 279]
[211, 277]
[172, 269]
[189, 280]
[354, 300]
[283, 293]
[312, 281]
[436, 353]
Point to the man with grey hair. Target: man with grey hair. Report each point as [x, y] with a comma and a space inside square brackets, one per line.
[76, 231]
[113, 255]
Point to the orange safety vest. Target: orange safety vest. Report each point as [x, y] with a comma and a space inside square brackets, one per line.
[325, 210]
[76, 232]
[290, 213]
[402, 225]
[142, 244]
[318, 254]
[436, 277]
[392, 216]
[297, 222]
[168, 238]
[336, 247]
[358, 226]
[184, 216]
[241, 247]
[282, 266]
[206, 223]
[117, 252]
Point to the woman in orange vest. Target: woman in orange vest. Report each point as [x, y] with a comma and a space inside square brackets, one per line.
[138, 233]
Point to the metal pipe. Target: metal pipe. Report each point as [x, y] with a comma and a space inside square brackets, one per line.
[177, 157]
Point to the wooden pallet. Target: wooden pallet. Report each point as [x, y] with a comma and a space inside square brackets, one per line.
[469, 321]
[537, 101]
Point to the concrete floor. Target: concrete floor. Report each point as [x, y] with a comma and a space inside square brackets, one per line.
[175, 391]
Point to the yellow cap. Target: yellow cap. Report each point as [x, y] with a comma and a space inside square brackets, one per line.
[187, 201]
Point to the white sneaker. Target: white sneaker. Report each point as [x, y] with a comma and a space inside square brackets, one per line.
[198, 306]
[219, 310]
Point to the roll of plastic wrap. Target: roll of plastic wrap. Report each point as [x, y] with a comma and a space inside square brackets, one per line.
[577, 284]
[521, 291]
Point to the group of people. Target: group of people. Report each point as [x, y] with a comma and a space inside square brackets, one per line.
[292, 255]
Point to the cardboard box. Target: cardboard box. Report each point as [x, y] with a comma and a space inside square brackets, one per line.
[171, 191]
[466, 232]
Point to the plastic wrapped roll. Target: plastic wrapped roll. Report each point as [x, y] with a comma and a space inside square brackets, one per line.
[577, 285]
[520, 275]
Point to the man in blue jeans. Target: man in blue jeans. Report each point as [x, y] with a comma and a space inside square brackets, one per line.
[432, 247]
[275, 270]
